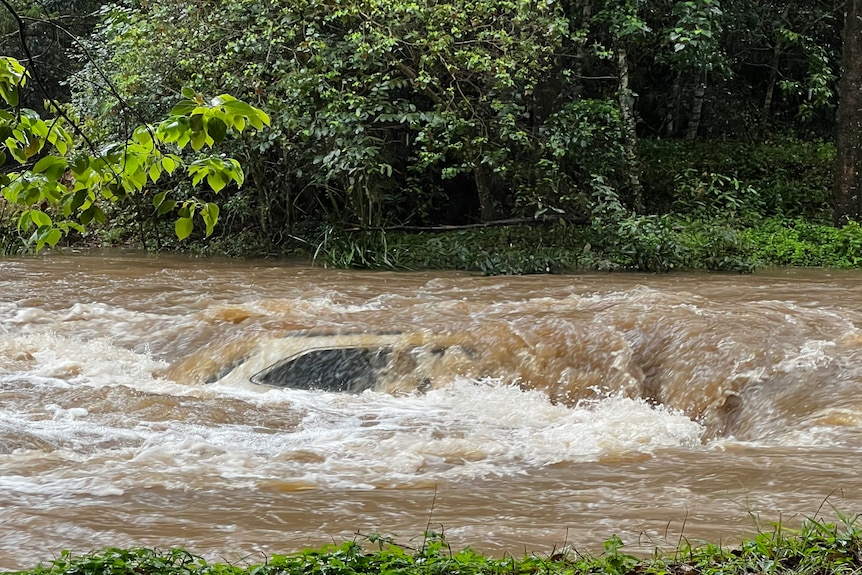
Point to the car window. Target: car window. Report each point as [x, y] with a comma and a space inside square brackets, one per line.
[351, 369]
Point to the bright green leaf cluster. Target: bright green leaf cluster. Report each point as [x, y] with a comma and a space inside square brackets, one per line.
[13, 76]
[59, 188]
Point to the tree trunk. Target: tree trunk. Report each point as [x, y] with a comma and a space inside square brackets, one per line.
[580, 52]
[630, 136]
[697, 106]
[673, 111]
[848, 137]
[770, 86]
[766, 110]
[485, 189]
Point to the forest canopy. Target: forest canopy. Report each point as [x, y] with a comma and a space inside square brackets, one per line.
[406, 114]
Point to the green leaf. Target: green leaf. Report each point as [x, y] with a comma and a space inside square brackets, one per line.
[40, 218]
[238, 107]
[236, 172]
[216, 181]
[30, 195]
[88, 215]
[53, 192]
[155, 172]
[78, 199]
[159, 198]
[99, 215]
[52, 237]
[262, 116]
[183, 228]
[188, 93]
[79, 165]
[170, 163]
[174, 129]
[197, 174]
[183, 108]
[9, 93]
[138, 178]
[11, 191]
[217, 129]
[210, 215]
[24, 221]
[52, 166]
[196, 123]
[127, 185]
[94, 212]
[143, 136]
[166, 206]
[221, 99]
[16, 151]
[60, 138]
[183, 140]
[198, 140]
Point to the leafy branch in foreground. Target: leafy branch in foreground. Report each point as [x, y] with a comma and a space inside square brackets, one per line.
[59, 188]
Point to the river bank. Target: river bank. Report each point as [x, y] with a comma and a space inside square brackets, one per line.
[635, 244]
[818, 547]
[632, 243]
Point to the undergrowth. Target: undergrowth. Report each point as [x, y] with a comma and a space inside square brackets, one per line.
[633, 243]
[817, 548]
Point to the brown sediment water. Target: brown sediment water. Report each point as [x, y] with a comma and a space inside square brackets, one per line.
[548, 410]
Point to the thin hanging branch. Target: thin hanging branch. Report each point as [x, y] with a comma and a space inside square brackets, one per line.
[83, 47]
[21, 23]
[34, 72]
[546, 219]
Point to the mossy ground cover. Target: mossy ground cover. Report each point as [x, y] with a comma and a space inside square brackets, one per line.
[817, 548]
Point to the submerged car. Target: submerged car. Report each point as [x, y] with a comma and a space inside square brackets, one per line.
[349, 362]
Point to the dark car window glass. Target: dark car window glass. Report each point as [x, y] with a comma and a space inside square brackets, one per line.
[351, 369]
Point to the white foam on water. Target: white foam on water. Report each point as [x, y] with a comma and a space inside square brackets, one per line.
[460, 432]
[94, 313]
[36, 489]
[811, 355]
[56, 360]
[465, 430]
[93, 361]
[311, 305]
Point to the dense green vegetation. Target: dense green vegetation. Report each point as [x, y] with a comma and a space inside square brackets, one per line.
[56, 193]
[818, 548]
[568, 134]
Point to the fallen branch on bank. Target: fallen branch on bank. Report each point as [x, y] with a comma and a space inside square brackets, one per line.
[542, 220]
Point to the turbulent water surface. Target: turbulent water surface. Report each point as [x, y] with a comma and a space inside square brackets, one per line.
[516, 413]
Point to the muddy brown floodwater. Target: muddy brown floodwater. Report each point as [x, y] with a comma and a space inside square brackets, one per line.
[557, 409]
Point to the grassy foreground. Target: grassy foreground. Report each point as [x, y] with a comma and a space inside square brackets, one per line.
[817, 548]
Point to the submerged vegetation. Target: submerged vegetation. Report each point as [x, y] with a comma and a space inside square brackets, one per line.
[817, 548]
